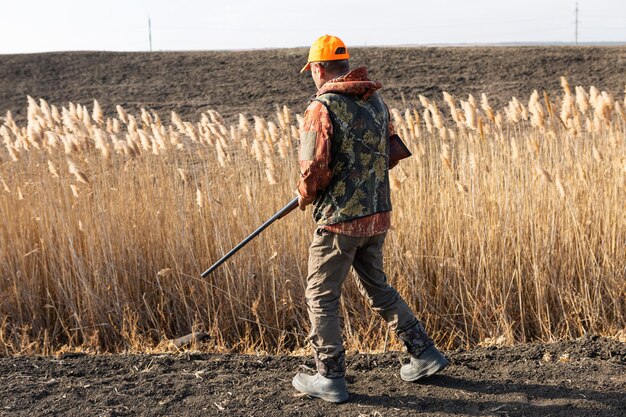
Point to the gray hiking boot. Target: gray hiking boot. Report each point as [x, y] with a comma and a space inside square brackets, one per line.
[329, 383]
[428, 363]
[425, 358]
[333, 390]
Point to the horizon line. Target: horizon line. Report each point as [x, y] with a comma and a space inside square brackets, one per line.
[406, 45]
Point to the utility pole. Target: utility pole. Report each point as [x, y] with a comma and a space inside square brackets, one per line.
[150, 33]
[576, 30]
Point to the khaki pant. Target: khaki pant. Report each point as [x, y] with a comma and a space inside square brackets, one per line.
[330, 258]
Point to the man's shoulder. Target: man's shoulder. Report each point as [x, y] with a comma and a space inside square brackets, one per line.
[316, 111]
[315, 106]
[333, 100]
[331, 96]
[328, 98]
[352, 104]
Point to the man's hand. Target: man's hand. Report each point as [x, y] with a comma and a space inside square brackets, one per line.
[302, 203]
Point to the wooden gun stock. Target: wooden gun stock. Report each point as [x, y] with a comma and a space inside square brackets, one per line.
[397, 150]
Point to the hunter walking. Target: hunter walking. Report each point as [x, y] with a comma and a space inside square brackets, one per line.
[346, 150]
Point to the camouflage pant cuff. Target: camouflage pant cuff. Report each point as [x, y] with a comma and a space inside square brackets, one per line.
[331, 367]
[415, 339]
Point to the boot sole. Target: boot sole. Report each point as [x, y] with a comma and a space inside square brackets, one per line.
[330, 398]
[431, 370]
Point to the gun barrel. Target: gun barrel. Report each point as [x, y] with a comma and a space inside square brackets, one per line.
[281, 213]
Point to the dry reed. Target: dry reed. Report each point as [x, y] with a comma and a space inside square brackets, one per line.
[492, 240]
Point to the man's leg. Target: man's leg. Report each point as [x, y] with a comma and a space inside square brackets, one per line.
[330, 258]
[372, 283]
[384, 299]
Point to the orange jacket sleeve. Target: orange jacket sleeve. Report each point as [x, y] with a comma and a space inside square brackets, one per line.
[314, 153]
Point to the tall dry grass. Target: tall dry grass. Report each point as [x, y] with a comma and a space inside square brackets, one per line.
[509, 225]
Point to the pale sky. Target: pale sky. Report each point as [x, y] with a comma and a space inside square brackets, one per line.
[115, 25]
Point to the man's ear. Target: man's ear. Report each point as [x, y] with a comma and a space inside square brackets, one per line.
[318, 68]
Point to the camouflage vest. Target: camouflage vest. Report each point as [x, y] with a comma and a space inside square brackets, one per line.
[359, 160]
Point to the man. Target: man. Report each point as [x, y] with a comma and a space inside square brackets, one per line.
[344, 165]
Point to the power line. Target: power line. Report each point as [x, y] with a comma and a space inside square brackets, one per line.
[150, 33]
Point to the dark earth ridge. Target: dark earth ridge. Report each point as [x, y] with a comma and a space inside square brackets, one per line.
[255, 82]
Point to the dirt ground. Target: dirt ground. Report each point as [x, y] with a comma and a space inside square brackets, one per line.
[255, 82]
[586, 377]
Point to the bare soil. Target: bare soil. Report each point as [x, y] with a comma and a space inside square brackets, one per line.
[255, 82]
[586, 377]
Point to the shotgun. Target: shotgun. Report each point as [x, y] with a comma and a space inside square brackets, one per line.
[279, 215]
[397, 151]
